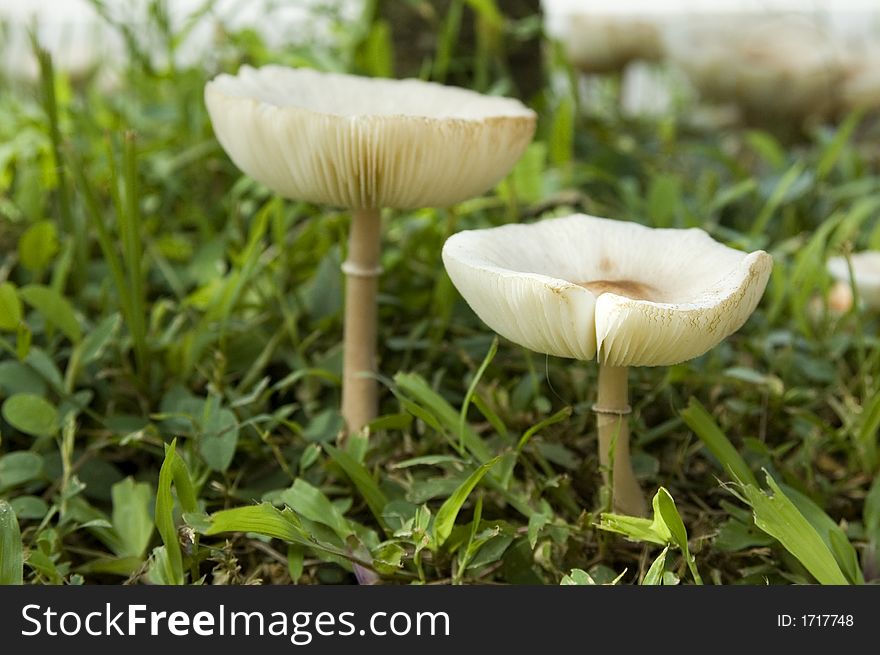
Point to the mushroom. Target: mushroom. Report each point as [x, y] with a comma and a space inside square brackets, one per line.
[769, 66]
[584, 287]
[597, 43]
[865, 278]
[365, 144]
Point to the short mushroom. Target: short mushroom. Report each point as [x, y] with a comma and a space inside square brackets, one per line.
[365, 144]
[865, 278]
[585, 287]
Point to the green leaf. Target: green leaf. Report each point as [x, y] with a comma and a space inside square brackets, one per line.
[324, 426]
[578, 577]
[665, 510]
[38, 246]
[219, 437]
[172, 562]
[701, 422]
[31, 414]
[262, 519]
[99, 338]
[664, 199]
[19, 467]
[388, 558]
[536, 522]
[635, 528]
[161, 568]
[29, 507]
[323, 295]
[448, 512]
[526, 180]
[654, 576]
[55, 309]
[778, 516]
[16, 377]
[664, 507]
[11, 563]
[311, 503]
[295, 561]
[832, 534]
[131, 516]
[360, 476]
[561, 141]
[10, 307]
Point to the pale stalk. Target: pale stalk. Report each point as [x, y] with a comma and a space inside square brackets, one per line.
[612, 413]
[361, 268]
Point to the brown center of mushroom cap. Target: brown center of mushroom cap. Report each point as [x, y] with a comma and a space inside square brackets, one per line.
[626, 288]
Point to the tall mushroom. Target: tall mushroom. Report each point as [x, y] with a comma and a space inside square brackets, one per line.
[365, 144]
[585, 287]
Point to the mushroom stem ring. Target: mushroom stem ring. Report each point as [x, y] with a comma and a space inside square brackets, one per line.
[619, 411]
[355, 270]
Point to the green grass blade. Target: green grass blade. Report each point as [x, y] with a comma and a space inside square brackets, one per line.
[833, 151]
[832, 534]
[11, 564]
[73, 227]
[448, 512]
[133, 251]
[164, 517]
[701, 422]
[778, 516]
[96, 218]
[462, 417]
[444, 414]
[869, 428]
[776, 199]
[360, 476]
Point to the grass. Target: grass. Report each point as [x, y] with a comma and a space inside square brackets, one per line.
[170, 353]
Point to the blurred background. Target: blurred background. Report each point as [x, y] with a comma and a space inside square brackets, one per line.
[731, 54]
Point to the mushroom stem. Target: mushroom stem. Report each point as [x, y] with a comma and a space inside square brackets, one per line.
[361, 268]
[612, 412]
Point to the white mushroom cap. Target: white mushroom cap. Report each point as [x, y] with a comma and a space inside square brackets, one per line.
[780, 66]
[598, 43]
[580, 286]
[866, 270]
[358, 142]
